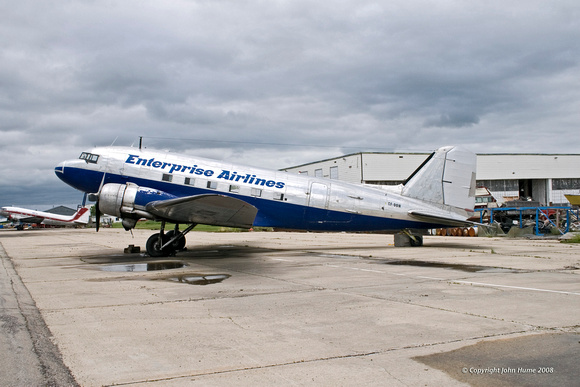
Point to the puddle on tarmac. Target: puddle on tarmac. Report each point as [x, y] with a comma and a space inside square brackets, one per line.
[141, 267]
[453, 266]
[554, 357]
[199, 279]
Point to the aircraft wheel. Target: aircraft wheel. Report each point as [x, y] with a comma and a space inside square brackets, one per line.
[177, 245]
[418, 241]
[154, 246]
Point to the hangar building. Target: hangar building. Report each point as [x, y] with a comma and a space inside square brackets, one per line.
[544, 178]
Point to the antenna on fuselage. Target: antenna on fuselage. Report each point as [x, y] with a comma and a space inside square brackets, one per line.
[140, 142]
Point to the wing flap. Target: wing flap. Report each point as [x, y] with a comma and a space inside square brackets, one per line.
[217, 210]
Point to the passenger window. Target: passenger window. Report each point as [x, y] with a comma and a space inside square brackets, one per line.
[256, 192]
[212, 185]
[234, 188]
[278, 196]
[189, 181]
[167, 177]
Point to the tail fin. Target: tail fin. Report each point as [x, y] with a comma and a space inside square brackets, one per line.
[81, 216]
[447, 177]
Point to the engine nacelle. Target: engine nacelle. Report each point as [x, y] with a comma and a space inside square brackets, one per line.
[128, 201]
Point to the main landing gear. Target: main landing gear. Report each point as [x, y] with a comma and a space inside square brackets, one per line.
[164, 244]
[406, 238]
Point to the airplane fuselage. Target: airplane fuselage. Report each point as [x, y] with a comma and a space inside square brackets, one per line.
[283, 200]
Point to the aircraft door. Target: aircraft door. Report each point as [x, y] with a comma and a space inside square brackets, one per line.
[317, 205]
[318, 196]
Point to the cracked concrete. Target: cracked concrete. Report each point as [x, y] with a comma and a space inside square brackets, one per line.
[297, 309]
[29, 357]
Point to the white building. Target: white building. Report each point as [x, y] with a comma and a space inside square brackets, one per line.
[543, 177]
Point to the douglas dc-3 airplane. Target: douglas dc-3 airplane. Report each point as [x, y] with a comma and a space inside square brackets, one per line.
[24, 215]
[132, 184]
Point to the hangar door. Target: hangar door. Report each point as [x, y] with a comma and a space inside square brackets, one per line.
[537, 189]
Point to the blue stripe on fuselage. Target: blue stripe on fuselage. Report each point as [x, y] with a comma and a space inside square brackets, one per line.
[82, 179]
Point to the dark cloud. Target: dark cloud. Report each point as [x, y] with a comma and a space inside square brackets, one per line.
[334, 77]
[455, 120]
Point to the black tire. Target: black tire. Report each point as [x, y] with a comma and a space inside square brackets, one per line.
[418, 241]
[154, 247]
[178, 245]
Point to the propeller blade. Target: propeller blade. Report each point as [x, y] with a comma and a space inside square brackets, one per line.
[97, 209]
[102, 183]
[98, 215]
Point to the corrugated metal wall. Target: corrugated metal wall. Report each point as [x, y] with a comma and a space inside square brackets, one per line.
[349, 168]
[508, 167]
[398, 166]
[389, 167]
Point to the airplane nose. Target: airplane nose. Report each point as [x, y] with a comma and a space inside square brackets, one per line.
[59, 168]
[77, 174]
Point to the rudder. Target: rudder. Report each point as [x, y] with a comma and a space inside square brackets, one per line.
[447, 178]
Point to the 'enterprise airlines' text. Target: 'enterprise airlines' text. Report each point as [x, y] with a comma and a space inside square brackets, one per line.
[226, 175]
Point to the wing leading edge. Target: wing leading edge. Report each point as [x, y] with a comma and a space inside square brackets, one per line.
[210, 209]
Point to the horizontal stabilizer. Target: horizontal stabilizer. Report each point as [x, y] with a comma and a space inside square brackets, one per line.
[217, 210]
[439, 219]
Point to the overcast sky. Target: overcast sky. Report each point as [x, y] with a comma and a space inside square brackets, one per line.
[310, 80]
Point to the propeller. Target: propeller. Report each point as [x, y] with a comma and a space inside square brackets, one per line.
[96, 198]
[98, 215]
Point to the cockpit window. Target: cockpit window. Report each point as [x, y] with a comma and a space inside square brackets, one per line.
[89, 157]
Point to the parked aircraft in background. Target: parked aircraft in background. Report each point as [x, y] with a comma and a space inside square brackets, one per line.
[132, 183]
[24, 215]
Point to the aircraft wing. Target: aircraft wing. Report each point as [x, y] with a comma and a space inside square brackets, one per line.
[29, 219]
[438, 218]
[210, 209]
